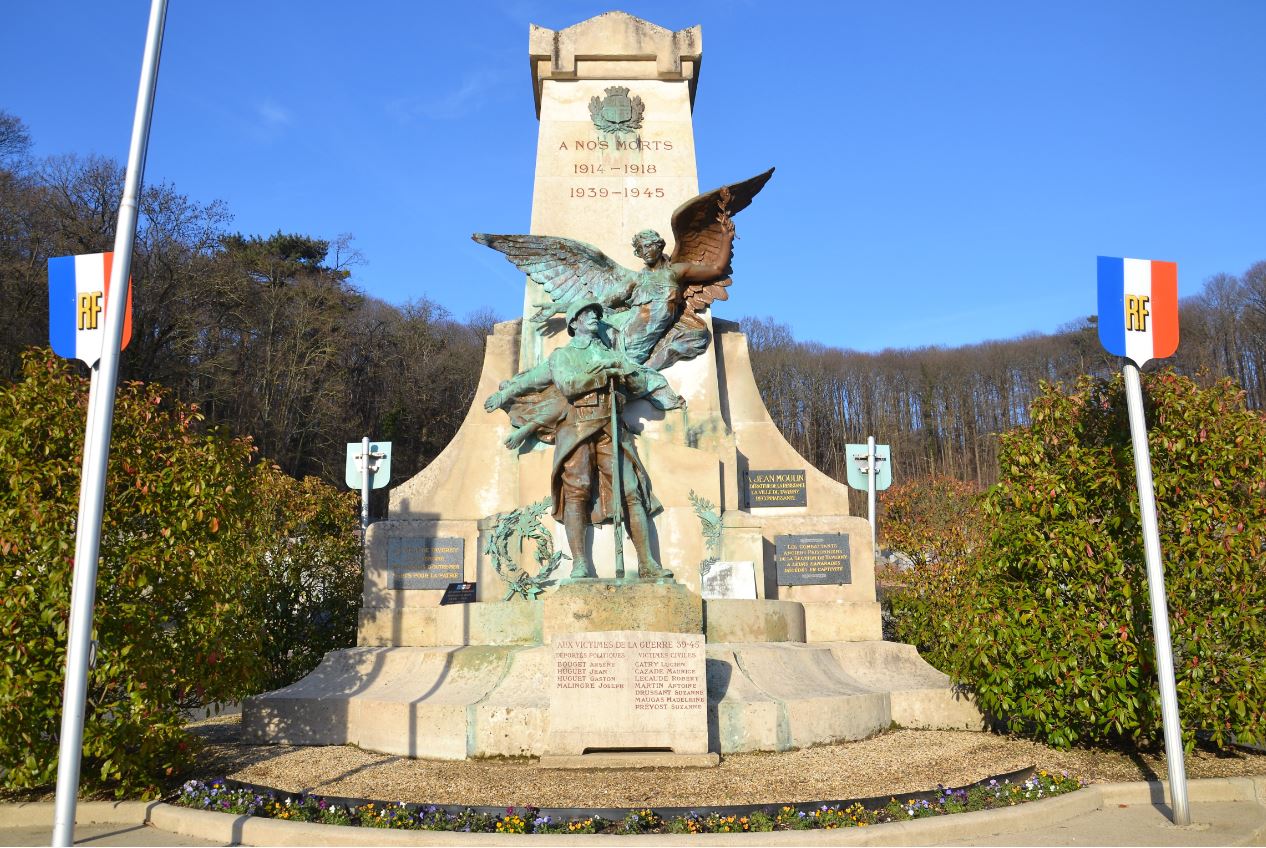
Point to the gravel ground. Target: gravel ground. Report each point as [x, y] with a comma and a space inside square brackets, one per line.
[890, 763]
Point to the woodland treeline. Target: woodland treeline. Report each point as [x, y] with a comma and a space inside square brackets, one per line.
[270, 337]
[266, 333]
[941, 409]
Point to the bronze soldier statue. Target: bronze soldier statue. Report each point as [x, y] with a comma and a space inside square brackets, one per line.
[658, 316]
[567, 399]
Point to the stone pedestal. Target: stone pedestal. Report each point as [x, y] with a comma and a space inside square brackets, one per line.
[754, 621]
[589, 606]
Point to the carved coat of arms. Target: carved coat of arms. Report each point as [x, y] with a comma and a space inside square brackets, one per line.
[617, 112]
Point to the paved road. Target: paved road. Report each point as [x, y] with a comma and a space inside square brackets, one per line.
[100, 834]
[1212, 823]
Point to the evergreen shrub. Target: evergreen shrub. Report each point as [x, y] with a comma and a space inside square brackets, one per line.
[194, 582]
[1050, 622]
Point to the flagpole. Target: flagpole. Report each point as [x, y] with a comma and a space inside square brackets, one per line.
[1174, 757]
[97, 446]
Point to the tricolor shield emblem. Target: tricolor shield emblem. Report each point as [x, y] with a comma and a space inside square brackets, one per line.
[1138, 308]
[78, 287]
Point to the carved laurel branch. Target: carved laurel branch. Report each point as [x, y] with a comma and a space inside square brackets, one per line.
[515, 526]
[710, 518]
[724, 218]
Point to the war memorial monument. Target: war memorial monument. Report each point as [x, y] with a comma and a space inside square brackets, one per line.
[660, 576]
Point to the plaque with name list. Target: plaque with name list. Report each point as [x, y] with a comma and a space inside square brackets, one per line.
[425, 562]
[777, 487]
[812, 560]
[628, 689]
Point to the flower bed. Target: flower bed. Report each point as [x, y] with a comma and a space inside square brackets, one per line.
[221, 796]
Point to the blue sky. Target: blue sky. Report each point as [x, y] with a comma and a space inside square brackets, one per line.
[947, 171]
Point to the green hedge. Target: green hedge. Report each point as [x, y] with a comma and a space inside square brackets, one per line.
[201, 553]
[1050, 623]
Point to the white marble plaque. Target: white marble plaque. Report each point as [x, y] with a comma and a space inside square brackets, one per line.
[732, 579]
[628, 690]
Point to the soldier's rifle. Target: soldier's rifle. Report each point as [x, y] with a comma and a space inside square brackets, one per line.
[617, 485]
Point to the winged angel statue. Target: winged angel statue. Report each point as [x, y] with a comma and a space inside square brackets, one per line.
[572, 399]
[655, 312]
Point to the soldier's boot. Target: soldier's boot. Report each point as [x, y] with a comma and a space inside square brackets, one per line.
[575, 520]
[648, 568]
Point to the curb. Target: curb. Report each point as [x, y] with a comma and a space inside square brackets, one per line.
[252, 830]
[40, 813]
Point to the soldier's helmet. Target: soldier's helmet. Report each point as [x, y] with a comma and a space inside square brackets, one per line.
[579, 307]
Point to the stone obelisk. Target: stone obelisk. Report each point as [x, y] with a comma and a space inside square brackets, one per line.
[616, 155]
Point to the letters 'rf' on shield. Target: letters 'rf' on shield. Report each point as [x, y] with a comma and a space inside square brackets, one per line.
[1138, 308]
[78, 287]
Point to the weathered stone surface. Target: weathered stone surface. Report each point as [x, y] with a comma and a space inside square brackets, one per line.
[753, 621]
[841, 621]
[817, 701]
[397, 700]
[588, 606]
[759, 442]
[451, 703]
[627, 689]
[512, 622]
[474, 476]
[478, 681]
[614, 46]
[512, 719]
[921, 696]
[861, 589]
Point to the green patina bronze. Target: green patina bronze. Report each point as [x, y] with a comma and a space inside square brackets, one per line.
[656, 316]
[657, 313]
[567, 400]
[617, 113]
[710, 518]
[516, 526]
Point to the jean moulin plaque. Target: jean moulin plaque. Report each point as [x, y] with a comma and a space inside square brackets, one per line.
[779, 487]
[425, 562]
[809, 560]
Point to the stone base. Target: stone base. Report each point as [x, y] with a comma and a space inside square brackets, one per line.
[577, 606]
[753, 621]
[598, 605]
[457, 703]
[921, 697]
[630, 760]
[512, 622]
[842, 621]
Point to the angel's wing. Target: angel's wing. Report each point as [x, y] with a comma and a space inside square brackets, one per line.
[704, 234]
[569, 270]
